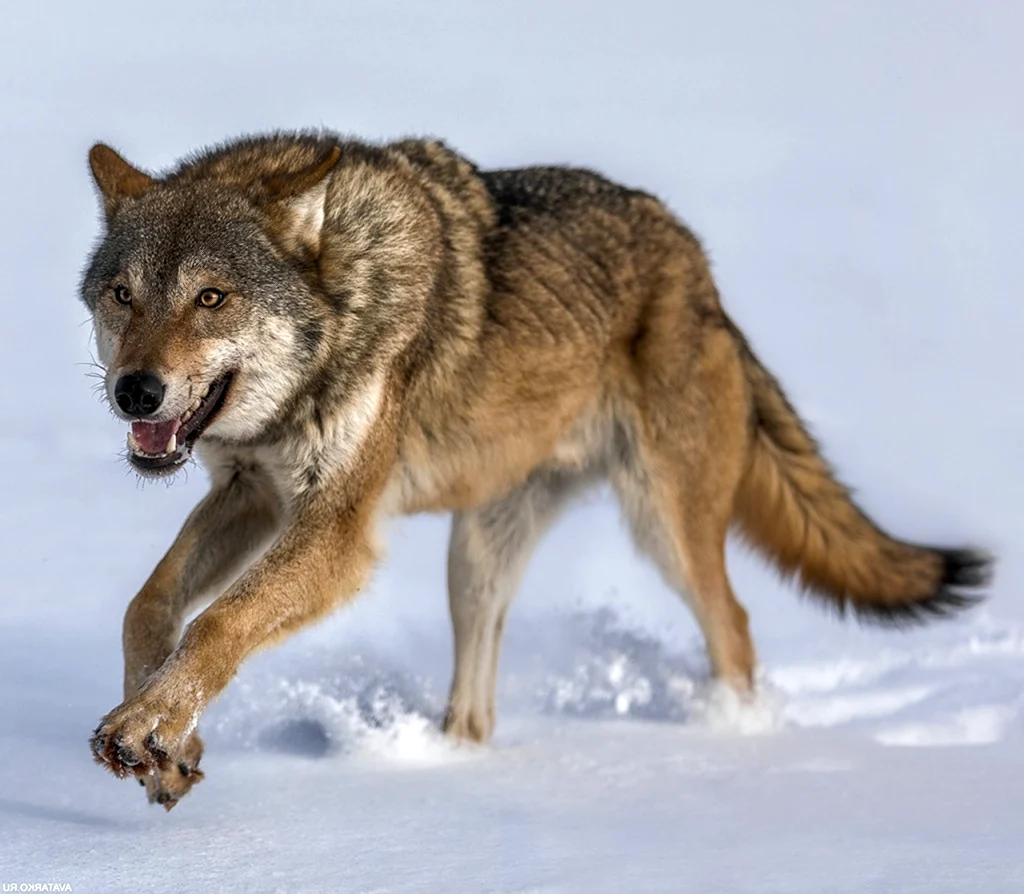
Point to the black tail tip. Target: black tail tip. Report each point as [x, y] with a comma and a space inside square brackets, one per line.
[971, 568]
[964, 573]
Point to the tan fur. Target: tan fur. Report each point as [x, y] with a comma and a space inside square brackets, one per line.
[790, 504]
[489, 343]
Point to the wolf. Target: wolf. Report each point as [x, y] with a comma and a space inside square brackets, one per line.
[344, 331]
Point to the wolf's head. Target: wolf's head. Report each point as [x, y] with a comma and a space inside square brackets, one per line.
[204, 310]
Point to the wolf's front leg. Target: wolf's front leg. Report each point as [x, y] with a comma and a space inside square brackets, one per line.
[232, 523]
[322, 559]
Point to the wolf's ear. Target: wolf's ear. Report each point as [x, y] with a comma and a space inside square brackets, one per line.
[115, 178]
[297, 203]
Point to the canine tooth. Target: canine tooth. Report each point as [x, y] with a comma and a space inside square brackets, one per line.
[172, 444]
[133, 444]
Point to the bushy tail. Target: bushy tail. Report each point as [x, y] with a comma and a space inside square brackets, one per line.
[791, 506]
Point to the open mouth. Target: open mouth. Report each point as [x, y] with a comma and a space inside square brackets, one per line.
[163, 447]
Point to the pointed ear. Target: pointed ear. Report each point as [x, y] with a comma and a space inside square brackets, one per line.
[297, 203]
[115, 178]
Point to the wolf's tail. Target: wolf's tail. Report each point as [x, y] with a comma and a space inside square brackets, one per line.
[791, 506]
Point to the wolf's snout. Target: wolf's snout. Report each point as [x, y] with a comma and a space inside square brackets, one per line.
[139, 393]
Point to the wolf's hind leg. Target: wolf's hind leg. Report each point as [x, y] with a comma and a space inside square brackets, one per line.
[487, 555]
[680, 463]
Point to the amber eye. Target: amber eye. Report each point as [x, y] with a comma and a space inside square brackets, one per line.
[210, 298]
[122, 295]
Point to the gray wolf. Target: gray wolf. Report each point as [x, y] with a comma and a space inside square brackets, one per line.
[343, 331]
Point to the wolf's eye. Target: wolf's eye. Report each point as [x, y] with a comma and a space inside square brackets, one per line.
[122, 295]
[210, 298]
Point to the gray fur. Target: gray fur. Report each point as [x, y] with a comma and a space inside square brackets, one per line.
[487, 556]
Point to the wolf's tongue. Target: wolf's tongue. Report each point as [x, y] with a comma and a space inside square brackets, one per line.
[153, 436]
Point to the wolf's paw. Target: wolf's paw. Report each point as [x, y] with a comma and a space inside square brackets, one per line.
[168, 784]
[145, 734]
[472, 725]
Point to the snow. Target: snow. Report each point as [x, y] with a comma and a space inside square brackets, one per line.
[854, 170]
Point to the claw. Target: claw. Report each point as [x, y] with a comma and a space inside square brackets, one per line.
[98, 743]
[151, 744]
[127, 757]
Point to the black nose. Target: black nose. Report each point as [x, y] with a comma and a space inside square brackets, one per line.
[139, 393]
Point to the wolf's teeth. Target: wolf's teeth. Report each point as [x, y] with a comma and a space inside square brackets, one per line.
[133, 444]
[172, 444]
[188, 413]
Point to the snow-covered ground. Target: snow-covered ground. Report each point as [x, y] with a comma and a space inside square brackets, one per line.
[855, 170]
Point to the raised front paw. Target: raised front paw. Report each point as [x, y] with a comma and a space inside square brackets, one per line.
[170, 783]
[148, 733]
